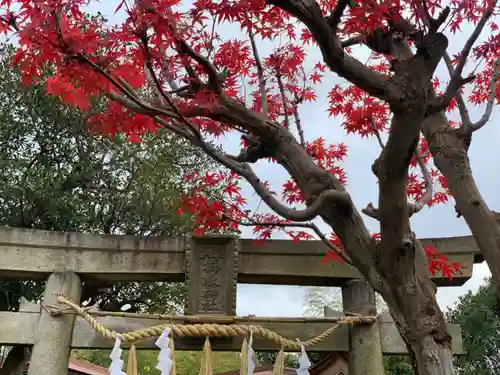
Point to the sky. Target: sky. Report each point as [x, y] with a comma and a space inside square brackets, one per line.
[439, 221]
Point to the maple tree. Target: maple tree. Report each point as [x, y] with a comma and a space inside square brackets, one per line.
[167, 65]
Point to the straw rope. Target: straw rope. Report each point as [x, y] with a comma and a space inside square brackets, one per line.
[208, 330]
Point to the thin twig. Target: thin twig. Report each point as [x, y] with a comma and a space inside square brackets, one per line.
[283, 98]
[457, 80]
[298, 123]
[260, 76]
[462, 107]
[377, 134]
[312, 226]
[429, 188]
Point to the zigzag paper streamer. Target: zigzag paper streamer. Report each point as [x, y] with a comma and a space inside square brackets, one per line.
[164, 358]
[117, 363]
[304, 362]
[251, 363]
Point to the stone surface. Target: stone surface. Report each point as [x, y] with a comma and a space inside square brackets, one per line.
[365, 352]
[211, 275]
[53, 334]
[35, 254]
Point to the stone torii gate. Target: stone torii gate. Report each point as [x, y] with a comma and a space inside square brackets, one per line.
[212, 266]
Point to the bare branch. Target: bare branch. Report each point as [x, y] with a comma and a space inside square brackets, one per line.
[491, 98]
[457, 80]
[462, 107]
[129, 98]
[312, 226]
[283, 99]
[213, 76]
[427, 196]
[435, 23]
[298, 122]
[260, 75]
[243, 169]
[358, 39]
[151, 82]
[377, 134]
[442, 103]
[335, 17]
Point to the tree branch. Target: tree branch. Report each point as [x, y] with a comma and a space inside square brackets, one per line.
[243, 169]
[413, 208]
[335, 17]
[309, 13]
[457, 80]
[260, 76]
[312, 226]
[283, 99]
[435, 23]
[298, 123]
[213, 77]
[429, 188]
[491, 99]
[462, 107]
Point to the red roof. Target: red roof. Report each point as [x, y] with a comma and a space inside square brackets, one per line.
[288, 371]
[86, 368]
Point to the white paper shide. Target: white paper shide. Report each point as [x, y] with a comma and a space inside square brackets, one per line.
[165, 357]
[304, 362]
[117, 363]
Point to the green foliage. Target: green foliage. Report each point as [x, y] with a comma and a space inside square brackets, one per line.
[478, 315]
[187, 363]
[396, 365]
[57, 175]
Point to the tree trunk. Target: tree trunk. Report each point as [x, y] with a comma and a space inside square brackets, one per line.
[411, 297]
[450, 157]
[433, 357]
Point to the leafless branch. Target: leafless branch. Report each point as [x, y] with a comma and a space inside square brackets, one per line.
[358, 39]
[152, 84]
[427, 196]
[213, 76]
[457, 80]
[435, 23]
[462, 107]
[283, 99]
[491, 98]
[245, 170]
[129, 97]
[260, 76]
[312, 226]
[377, 134]
[336, 16]
[298, 123]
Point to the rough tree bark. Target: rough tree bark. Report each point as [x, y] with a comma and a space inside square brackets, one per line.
[449, 149]
[450, 157]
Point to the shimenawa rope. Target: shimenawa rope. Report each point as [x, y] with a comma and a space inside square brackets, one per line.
[210, 330]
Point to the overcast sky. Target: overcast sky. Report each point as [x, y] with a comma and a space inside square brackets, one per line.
[440, 221]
